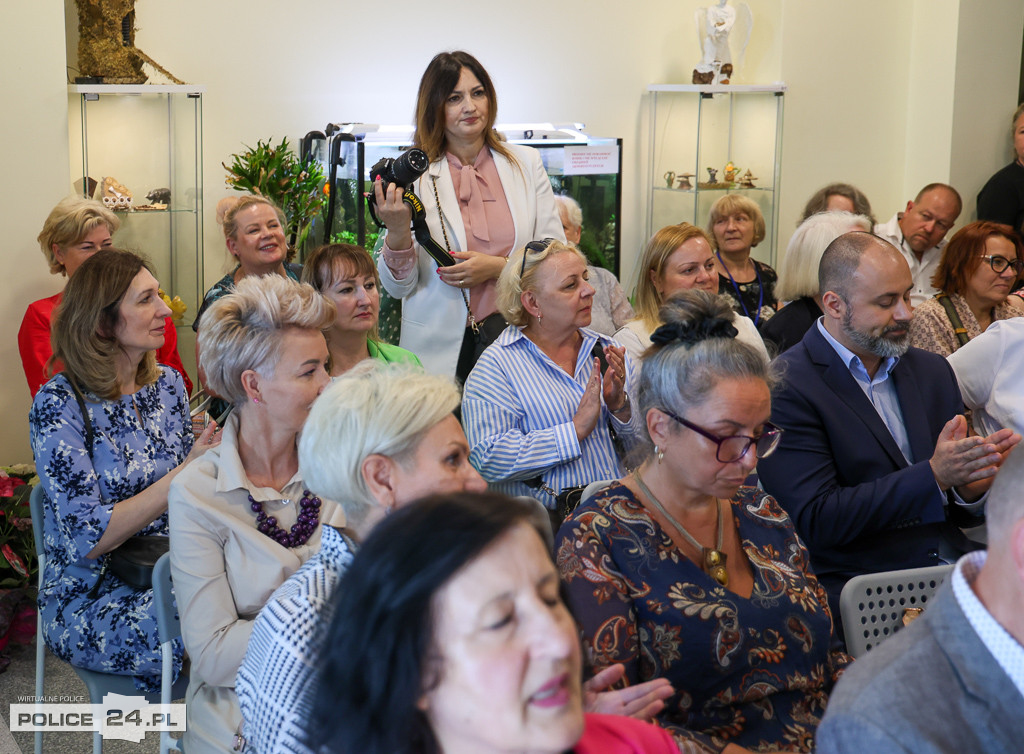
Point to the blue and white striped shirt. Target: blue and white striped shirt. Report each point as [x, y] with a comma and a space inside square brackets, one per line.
[517, 410]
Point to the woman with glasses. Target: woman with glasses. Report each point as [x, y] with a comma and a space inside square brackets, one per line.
[482, 198]
[979, 267]
[540, 405]
[680, 571]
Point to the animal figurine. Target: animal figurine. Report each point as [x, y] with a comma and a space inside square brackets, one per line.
[159, 196]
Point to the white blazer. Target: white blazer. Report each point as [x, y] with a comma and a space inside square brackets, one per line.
[433, 312]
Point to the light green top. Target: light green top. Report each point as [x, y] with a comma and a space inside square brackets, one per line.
[390, 354]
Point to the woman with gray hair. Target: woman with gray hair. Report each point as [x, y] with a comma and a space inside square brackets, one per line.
[541, 403]
[798, 275]
[680, 571]
[242, 518]
[611, 309]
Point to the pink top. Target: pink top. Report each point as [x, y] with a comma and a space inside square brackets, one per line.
[614, 734]
[486, 218]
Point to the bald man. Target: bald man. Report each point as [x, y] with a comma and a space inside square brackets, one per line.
[919, 232]
[875, 467]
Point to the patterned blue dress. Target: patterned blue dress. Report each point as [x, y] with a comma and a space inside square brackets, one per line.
[113, 631]
[753, 671]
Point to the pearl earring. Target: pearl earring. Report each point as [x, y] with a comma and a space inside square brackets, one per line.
[659, 453]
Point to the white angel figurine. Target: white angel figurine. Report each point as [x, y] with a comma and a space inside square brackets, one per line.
[714, 23]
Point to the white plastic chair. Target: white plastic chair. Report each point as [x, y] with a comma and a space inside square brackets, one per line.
[873, 604]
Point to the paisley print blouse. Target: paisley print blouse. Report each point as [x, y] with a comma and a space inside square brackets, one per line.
[752, 671]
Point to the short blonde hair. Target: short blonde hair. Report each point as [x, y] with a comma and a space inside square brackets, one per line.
[375, 408]
[69, 222]
[659, 249]
[230, 221]
[85, 323]
[798, 273]
[245, 329]
[731, 204]
[511, 285]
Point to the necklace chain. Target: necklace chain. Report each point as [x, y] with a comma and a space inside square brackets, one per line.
[713, 559]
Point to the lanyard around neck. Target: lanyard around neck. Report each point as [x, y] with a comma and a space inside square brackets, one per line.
[739, 296]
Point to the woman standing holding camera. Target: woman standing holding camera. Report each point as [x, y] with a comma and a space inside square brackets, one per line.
[483, 198]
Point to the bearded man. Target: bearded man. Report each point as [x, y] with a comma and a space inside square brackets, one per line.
[876, 467]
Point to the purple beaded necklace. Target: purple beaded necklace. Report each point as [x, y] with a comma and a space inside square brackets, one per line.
[301, 531]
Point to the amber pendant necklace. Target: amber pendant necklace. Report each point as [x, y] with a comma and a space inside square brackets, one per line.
[713, 560]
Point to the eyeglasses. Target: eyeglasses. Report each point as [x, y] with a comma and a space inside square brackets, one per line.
[732, 449]
[999, 264]
[534, 246]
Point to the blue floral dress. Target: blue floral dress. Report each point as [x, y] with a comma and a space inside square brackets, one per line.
[753, 671]
[137, 440]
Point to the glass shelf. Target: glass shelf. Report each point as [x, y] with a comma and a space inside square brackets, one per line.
[148, 136]
[693, 128]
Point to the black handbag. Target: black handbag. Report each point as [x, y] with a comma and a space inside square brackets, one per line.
[133, 561]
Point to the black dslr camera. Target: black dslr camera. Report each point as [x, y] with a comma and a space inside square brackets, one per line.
[401, 170]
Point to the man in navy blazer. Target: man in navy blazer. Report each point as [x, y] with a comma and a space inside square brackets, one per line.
[952, 681]
[875, 467]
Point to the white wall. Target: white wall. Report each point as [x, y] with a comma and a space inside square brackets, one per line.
[33, 130]
[877, 90]
[987, 61]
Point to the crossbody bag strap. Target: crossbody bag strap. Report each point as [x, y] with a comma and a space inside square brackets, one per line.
[90, 433]
[954, 319]
[448, 248]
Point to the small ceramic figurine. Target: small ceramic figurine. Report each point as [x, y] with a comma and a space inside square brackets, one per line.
[159, 196]
[670, 178]
[714, 23]
[747, 180]
[730, 172]
[684, 181]
[712, 175]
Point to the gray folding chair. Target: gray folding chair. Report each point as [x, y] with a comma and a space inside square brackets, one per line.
[35, 504]
[873, 605]
[101, 684]
[169, 628]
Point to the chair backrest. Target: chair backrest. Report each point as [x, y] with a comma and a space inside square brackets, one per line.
[35, 506]
[593, 488]
[168, 624]
[872, 605]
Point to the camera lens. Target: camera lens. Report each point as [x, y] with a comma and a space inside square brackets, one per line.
[409, 166]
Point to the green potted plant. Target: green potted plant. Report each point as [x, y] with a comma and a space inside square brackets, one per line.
[277, 173]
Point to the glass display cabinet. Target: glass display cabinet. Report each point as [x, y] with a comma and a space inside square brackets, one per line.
[707, 141]
[587, 168]
[147, 140]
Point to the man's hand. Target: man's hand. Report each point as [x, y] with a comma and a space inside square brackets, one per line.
[1004, 441]
[959, 459]
[642, 701]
